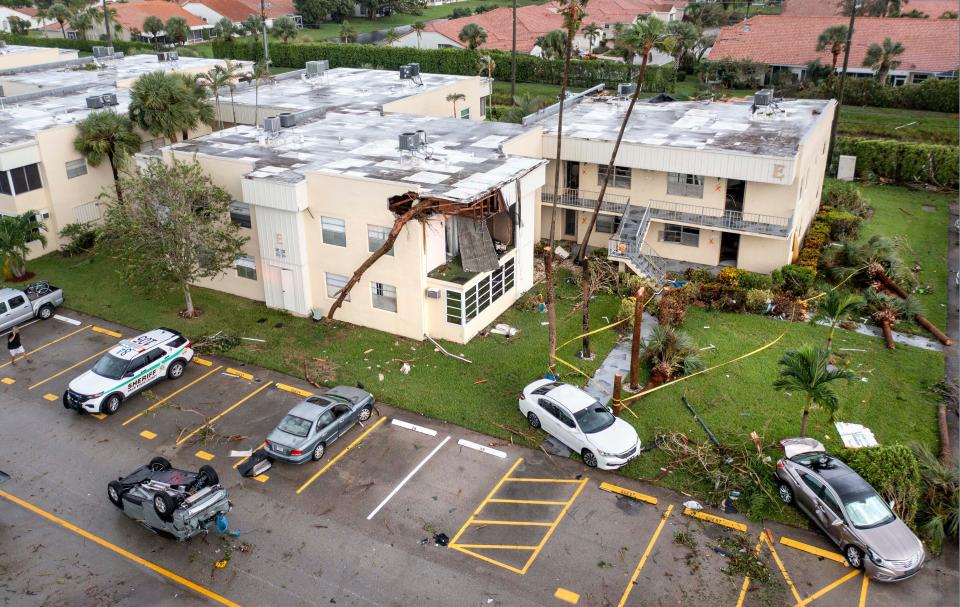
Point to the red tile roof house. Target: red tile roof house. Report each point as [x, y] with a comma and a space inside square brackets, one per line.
[212, 11]
[932, 47]
[827, 8]
[536, 20]
[130, 15]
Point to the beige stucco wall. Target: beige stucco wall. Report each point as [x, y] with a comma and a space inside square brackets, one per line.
[764, 254]
[434, 102]
[35, 56]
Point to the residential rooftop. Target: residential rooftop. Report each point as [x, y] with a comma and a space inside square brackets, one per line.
[20, 122]
[14, 49]
[462, 161]
[712, 126]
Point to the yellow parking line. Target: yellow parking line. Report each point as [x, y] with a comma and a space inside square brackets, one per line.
[765, 536]
[224, 412]
[165, 399]
[238, 464]
[51, 397]
[533, 502]
[262, 478]
[238, 373]
[520, 479]
[819, 593]
[643, 559]
[863, 591]
[202, 361]
[118, 550]
[485, 559]
[341, 454]
[50, 343]
[746, 580]
[293, 390]
[106, 332]
[643, 497]
[515, 523]
[820, 552]
[550, 531]
[717, 520]
[480, 507]
[71, 367]
[148, 435]
[567, 596]
[8, 380]
[497, 546]
[204, 455]
[100, 416]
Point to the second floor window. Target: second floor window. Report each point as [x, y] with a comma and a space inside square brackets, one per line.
[619, 179]
[240, 214]
[608, 224]
[20, 180]
[334, 231]
[376, 236]
[76, 168]
[681, 235]
[685, 184]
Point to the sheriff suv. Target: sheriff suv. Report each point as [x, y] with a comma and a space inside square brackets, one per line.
[127, 369]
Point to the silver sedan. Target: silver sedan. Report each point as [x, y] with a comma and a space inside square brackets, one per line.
[313, 424]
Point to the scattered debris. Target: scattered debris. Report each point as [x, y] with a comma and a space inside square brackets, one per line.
[367, 351]
[561, 253]
[262, 341]
[504, 329]
[440, 349]
[479, 381]
[221, 564]
[441, 539]
[855, 436]
[405, 368]
[379, 376]
[242, 453]
[693, 505]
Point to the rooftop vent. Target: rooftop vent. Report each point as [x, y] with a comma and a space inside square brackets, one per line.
[271, 124]
[287, 120]
[173, 56]
[109, 99]
[625, 89]
[162, 56]
[410, 142]
[315, 68]
[94, 102]
[409, 71]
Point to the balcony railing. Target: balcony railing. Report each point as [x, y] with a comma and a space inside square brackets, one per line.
[773, 225]
[615, 204]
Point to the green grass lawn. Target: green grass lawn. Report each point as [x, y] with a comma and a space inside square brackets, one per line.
[914, 125]
[918, 223]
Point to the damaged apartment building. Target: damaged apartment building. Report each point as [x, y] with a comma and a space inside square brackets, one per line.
[695, 183]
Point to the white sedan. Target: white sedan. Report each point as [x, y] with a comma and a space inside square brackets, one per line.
[580, 422]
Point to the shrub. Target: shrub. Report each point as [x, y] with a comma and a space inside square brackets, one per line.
[672, 308]
[759, 300]
[793, 279]
[699, 275]
[843, 225]
[82, 237]
[730, 276]
[893, 471]
[903, 161]
[934, 95]
[755, 280]
[845, 196]
[460, 12]
[732, 299]
[120, 46]
[817, 237]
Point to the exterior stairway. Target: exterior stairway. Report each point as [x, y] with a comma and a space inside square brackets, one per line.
[630, 247]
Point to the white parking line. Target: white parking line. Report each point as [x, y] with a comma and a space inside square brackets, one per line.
[409, 476]
[414, 427]
[476, 447]
[69, 321]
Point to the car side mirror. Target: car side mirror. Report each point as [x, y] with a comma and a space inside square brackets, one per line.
[128, 374]
[837, 522]
[891, 504]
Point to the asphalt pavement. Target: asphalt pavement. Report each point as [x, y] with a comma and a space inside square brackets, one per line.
[403, 510]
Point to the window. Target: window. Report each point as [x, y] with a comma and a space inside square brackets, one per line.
[240, 214]
[483, 106]
[38, 220]
[620, 179]
[684, 184]
[16, 301]
[76, 168]
[325, 419]
[246, 267]
[454, 307]
[608, 224]
[464, 307]
[681, 235]
[812, 483]
[335, 282]
[384, 296]
[376, 236]
[465, 113]
[154, 355]
[20, 180]
[831, 503]
[334, 231]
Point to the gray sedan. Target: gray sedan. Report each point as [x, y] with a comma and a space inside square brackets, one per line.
[848, 510]
[312, 425]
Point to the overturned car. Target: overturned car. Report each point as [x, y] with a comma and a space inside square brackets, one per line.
[171, 502]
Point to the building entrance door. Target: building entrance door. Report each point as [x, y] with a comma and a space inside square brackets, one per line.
[729, 249]
[572, 179]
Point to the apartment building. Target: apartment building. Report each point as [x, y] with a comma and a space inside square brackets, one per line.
[317, 198]
[707, 183]
[14, 56]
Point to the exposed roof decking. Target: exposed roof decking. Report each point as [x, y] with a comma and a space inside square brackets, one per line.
[465, 159]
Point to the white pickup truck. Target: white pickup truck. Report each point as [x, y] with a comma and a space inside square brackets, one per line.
[37, 300]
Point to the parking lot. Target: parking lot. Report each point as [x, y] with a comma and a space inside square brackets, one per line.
[402, 510]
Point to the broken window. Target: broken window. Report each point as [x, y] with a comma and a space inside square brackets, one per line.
[619, 179]
[335, 282]
[464, 307]
[376, 236]
[685, 184]
[240, 214]
[681, 235]
[384, 296]
[334, 231]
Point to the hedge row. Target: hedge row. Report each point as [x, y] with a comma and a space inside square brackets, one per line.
[447, 61]
[903, 162]
[119, 46]
[933, 95]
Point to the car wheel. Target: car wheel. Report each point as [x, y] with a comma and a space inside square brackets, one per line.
[111, 405]
[854, 556]
[176, 369]
[209, 475]
[533, 420]
[164, 505]
[364, 414]
[114, 491]
[785, 493]
[589, 458]
[45, 312]
[160, 463]
[318, 451]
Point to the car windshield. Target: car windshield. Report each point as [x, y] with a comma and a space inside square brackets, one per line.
[110, 366]
[867, 509]
[294, 425]
[594, 418]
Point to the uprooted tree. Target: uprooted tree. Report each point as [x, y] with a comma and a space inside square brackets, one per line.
[172, 228]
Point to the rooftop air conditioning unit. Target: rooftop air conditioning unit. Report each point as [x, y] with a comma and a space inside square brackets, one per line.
[287, 120]
[99, 51]
[625, 89]
[409, 142]
[94, 102]
[109, 99]
[433, 293]
[271, 124]
[161, 56]
[409, 71]
[315, 68]
[763, 97]
[173, 56]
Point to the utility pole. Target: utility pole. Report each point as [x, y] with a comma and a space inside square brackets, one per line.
[263, 26]
[106, 22]
[854, 5]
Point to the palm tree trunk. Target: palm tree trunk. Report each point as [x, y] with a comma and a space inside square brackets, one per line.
[833, 328]
[637, 338]
[613, 157]
[513, 54]
[585, 304]
[234, 106]
[803, 420]
[216, 100]
[551, 303]
[946, 453]
[63, 31]
[888, 335]
[188, 298]
[921, 320]
[116, 176]
[256, 103]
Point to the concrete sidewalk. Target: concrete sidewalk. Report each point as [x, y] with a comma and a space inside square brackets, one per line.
[600, 385]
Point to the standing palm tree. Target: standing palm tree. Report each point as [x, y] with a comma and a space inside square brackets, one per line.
[16, 234]
[153, 26]
[808, 370]
[883, 58]
[391, 36]
[419, 27]
[834, 39]
[162, 103]
[593, 32]
[347, 32]
[285, 28]
[214, 79]
[473, 36]
[178, 30]
[81, 22]
[835, 309]
[488, 65]
[61, 14]
[253, 24]
[41, 18]
[104, 134]
[642, 37]
[225, 30]
[232, 71]
[200, 108]
[260, 72]
[685, 37]
[454, 98]
[553, 45]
